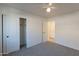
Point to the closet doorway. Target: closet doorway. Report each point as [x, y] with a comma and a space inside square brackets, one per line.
[22, 33]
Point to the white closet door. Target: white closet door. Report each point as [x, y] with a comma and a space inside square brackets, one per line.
[11, 42]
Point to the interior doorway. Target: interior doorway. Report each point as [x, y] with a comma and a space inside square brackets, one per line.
[51, 31]
[22, 33]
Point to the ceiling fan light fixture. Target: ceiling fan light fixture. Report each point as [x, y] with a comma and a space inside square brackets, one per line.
[48, 10]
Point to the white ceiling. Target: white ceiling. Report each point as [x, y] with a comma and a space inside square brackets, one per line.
[37, 8]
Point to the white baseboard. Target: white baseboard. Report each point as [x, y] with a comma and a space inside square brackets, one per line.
[66, 46]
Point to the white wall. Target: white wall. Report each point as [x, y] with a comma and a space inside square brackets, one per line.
[34, 26]
[34, 30]
[0, 34]
[67, 30]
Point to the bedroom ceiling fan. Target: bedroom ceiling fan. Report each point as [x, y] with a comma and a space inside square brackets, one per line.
[49, 7]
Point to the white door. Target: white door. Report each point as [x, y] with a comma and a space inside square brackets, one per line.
[10, 36]
[45, 30]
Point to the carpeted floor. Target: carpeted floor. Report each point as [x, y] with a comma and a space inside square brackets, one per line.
[46, 49]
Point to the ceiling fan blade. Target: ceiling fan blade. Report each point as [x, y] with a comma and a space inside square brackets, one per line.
[53, 7]
[50, 7]
[45, 7]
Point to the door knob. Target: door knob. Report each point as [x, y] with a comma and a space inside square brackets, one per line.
[7, 36]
